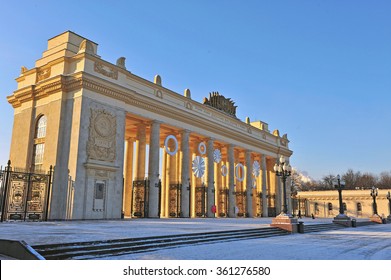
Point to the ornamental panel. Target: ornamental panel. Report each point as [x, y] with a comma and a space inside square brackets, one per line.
[102, 136]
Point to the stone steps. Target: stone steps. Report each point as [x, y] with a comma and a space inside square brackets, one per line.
[322, 227]
[333, 226]
[96, 249]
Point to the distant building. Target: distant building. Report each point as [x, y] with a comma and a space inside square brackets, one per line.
[123, 145]
[325, 204]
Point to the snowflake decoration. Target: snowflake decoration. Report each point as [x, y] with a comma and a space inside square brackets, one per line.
[198, 167]
[256, 168]
[217, 156]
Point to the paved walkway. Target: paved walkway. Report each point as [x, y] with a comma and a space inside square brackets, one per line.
[36, 233]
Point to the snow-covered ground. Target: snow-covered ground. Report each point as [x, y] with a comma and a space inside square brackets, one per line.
[362, 243]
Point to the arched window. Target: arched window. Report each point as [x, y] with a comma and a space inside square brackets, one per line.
[39, 143]
[40, 130]
[330, 206]
[316, 208]
[359, 208]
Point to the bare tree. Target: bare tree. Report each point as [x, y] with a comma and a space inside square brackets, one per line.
[366, 181]
[384, 181]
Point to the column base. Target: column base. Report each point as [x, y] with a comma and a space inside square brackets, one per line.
[377, 219]
[343, 219]
[285, 222]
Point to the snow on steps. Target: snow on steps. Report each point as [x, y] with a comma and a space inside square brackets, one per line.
[94, 249]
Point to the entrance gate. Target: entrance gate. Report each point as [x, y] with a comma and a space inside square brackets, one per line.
[223, 202]
[140, 198]
[272, 210]
[200, 201]
[241, 203]
[259, 204]
[175, 200]
[25, 195]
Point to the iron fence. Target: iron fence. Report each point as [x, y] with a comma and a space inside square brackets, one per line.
[25, 196]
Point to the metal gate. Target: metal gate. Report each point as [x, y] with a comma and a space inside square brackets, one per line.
[241, 203]
[175, 200]
[200, 201]
[259, 204]
[25, 195]
[140, 198]
[272, 210]
[223, 202]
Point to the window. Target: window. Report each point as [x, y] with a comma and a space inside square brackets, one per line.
[359, 208]
[39, 143]
[39, 149]
[330, 206]
[345, 209]
[316, 208]
[40, 130]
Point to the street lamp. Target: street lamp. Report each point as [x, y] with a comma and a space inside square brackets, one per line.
[340, 186]
[283, 170]
[374, 194]
[341, 218]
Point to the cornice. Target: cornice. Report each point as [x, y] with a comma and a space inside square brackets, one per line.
[184, 115]
[188, 102]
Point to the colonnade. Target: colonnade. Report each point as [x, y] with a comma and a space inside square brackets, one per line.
[184, 174]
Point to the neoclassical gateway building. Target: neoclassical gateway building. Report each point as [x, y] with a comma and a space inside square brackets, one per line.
[123, 145]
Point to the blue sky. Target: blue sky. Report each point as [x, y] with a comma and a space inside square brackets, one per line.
[319, 71]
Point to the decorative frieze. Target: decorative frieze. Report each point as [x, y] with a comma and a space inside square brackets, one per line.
[43, 74]
[102, 136]
[106, 70]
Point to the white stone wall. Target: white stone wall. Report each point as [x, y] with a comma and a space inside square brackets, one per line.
[90, 171]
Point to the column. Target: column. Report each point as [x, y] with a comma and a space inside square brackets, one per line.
[193, 181]
[140, 152]
[264, 187]
[163, 199]
[185, 179]
[231, 182]
[172, 181]
[210, 178]
[218, 185]
[249, 185]
[153, 170]
[127, 201]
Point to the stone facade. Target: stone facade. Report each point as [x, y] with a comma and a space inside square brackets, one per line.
[109, 131]
[325, 204]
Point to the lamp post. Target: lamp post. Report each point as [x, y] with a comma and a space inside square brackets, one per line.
[389, 205]
[339, 186]
[374, 194]
[283, 170]
[341, 218]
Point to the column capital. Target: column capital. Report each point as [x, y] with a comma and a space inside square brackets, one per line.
[154, 122]
[185, 131]
[230, 146]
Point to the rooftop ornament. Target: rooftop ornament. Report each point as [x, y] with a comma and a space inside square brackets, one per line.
[227, 105]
